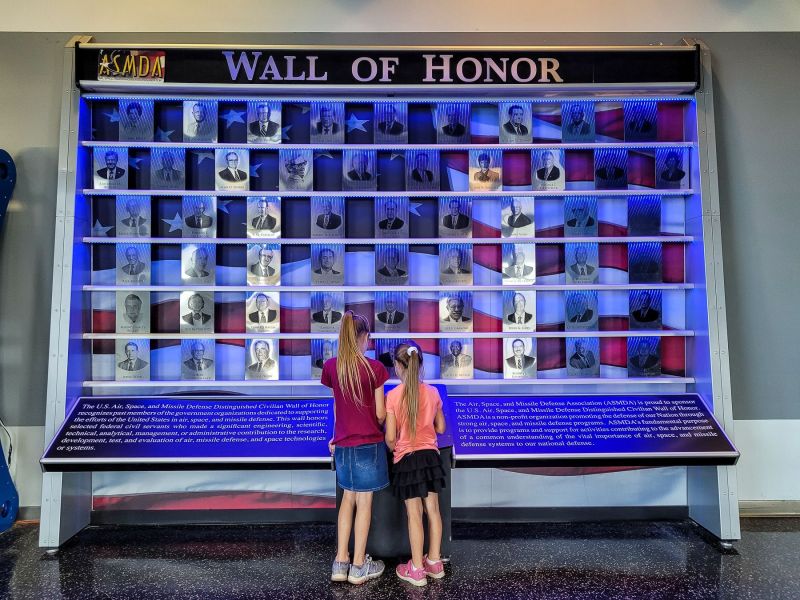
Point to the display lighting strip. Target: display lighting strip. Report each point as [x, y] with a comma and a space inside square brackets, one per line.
[379, 241]
[664, 379]
[390, 288]
[401, 194]
[391, 336]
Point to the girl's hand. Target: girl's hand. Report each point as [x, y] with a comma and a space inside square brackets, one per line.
[331, 447]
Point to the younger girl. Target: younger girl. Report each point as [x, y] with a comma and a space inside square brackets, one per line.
[413, 418]
[357, 444]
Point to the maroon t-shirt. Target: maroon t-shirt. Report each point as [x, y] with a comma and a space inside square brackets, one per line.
[355, 425]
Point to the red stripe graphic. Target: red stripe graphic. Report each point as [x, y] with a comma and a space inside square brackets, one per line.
[516, 168]
[610, 123]
[212, 500]
[641, 169]
[670, 121]
[579, 165]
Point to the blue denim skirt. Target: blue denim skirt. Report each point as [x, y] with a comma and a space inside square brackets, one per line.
[362, 468]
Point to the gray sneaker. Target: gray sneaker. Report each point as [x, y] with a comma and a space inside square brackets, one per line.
[369, 570]
[339, 571]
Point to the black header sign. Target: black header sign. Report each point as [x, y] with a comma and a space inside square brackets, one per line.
[390, 67]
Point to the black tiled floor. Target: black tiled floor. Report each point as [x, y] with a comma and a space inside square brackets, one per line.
[668, 560]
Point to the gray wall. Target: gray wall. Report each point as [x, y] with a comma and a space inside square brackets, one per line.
[757, 125]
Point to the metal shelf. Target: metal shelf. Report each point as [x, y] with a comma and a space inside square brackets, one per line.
[397, 335]
[401, 194]
[388, 147]
[449, 382]
[410, 241]
[390, 288]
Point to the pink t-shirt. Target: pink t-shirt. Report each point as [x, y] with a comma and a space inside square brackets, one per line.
[429, 404]
[355, 425]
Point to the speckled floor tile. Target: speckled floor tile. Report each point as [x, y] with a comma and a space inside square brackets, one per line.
[547, 561]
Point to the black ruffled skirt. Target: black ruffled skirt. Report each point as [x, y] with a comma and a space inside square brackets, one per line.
[418, 474]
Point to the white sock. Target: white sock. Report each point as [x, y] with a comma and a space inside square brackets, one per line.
[430, 562]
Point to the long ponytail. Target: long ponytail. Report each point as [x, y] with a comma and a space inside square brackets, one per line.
[409, 355]
[350, 359]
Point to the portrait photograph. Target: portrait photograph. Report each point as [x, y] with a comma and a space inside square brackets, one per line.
[133, 264]
[133, 216]
[391, 217]
[641, 121]
[644, 262]
[644, 357]
[295, 170]
[322, 351]
[198, 264]
[422, 170]
[199, 121]
[516, 216]
[197, 312]
[519, 358]
[455, 358]
[327, 309]
[327, 217]
[519, 310]
[391, 264]
[262, 312]
[199, 216]
[452, 122]
[547, 169]
[132, 359]
[264, 217]
[672, 168]
[644, 215]
[232, 170]
[136, 120]
[197, 360]
[391, 123]
[384, 353]
[580, 216]
[261, 360]
[263, 122]
[455, 311]
[519, 264]
[581, 311]
[610, 169]
[455, 264]
[359, 171]
[485, 170]
[455, 217]
[391, 312]
[327, 123]
[581, 263]
[263, 264]
[644, 309]
[583, 357]
[327, 264]
[110, 168]
[168, 168]
[577, 121]
[133, 312]
[515, 122]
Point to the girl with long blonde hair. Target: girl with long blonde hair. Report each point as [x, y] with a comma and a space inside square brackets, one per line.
[357, 445]
[413, 418]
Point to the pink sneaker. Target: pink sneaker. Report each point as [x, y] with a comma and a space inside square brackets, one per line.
[433, 569]
[407, 572]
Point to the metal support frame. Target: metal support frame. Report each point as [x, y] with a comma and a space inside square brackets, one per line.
[66, 497]
[712, 493]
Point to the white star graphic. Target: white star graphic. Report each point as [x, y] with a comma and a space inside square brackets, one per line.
[285, 133]
[304, 108]
[254, 169]
[223, 206]
[163, 136]
[354, 123]
[99, 230]
[396, 155]
[413, 208]
[134, 162]
[201, 156]
[105, 64]
[231, 117]
[113, 116]
[175, 223]
[323, 155]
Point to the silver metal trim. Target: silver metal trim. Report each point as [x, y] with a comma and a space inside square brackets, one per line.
[724, 454]
[541, 287]
[377, 241]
